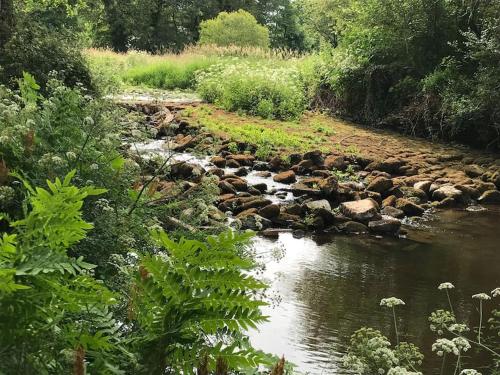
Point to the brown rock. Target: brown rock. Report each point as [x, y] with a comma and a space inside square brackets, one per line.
[408, 207]
[353, 227]
[387, 225]
[243, 159]
[389, 201]
[473, 170]
[393, 212]
[362, 210]
[380, 185]
[270, 211]
[423, 185]
[286, 177]
[333, 162]
[218, 161]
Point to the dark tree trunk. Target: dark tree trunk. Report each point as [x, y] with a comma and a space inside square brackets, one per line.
[6, 21]
[117, 26]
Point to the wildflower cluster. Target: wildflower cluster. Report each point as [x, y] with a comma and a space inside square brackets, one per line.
[269, 90]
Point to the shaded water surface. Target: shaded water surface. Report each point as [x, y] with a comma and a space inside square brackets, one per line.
[327, 287]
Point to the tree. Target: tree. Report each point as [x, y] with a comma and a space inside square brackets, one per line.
[6, 21]
[238, 28]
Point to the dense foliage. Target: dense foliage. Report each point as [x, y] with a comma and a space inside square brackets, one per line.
[234, 29]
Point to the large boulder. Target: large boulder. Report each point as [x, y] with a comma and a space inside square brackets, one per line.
[333, 162]
[447, 191]
[490, 197]
[363, 210]
[270, 211]
[473, 170]
[386, 225]
[380, 185]
[254, 222]
[286, 177]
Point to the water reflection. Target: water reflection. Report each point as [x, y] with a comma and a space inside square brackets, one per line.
[332, 286]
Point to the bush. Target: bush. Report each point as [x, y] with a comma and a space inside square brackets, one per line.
[238, 28]
[269, 90]
[36, 49]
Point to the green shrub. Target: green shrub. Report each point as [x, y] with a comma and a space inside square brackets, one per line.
[238, 28]
[35, 48]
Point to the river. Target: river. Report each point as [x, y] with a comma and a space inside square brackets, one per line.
[326, 287]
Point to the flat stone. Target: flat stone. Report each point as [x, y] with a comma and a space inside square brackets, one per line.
[362, 210]
[387, 225]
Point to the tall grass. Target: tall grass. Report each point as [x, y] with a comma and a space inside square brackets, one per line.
[267, 83]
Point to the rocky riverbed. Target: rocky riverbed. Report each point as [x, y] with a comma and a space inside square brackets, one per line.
[315, 191]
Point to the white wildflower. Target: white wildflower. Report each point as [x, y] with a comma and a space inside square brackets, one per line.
[458, 328]
[443, 346]
[391, 302]
[495, 292]
[469, 371]
[94, 166]
[461, 343]
[445, 286]
[481, 296]
[401, 371]
[71, 155]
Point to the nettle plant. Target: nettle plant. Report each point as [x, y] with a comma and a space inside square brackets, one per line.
[371, 352]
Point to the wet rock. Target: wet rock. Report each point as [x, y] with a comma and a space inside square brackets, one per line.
[393, 212]
[187, 142]
[411, 192]
[322, 204]
[254, 222]
[445, 203]
[231, 163]
[315, 156]
[261, 166]
[238, 183]
[241, 172]
[333, 162]
[262, 187]
[390, 165]
[270, 211]
[286, 177]
[387, 225]
[447, 191]
[305, 166]
[329, 186]
[226, 187]
[408, 207]
[484, 186]
[380, 185]
[250, 211]
[216, 172]
[218, 161]
[298, 233]
[423, 185]
[254, 191]
[362, 210]
[473, 170]
[271, 233]
[377, 197]
[353, 227]
[263, 174]
[275, 163]
[225, 197]
[490, 197]
[186, 171]
[294, 209]
[254, 203]
[243, 159]
[295, 158]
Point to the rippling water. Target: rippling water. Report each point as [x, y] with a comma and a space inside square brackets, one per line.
[327, 287]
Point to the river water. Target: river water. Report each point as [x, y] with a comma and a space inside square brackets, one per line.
[324, 287]
[327, 287]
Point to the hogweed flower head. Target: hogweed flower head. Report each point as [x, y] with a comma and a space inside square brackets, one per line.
[458, 328]
[446, 285]
[469, 371]
[461, 343]
[391, 302]
[481, 296]
[444, 346]
[495, 292]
